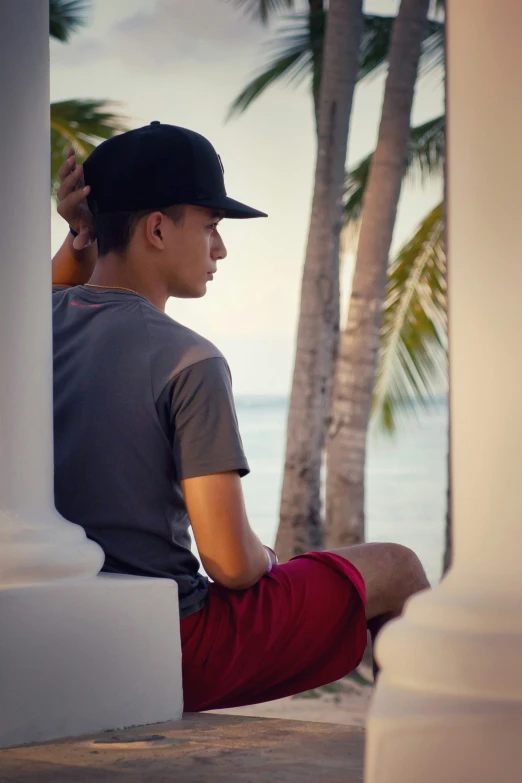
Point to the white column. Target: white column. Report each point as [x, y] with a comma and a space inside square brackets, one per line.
[36, 544]
[78, 652]
[448, 706]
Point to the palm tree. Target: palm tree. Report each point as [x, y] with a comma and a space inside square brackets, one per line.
[297, 55]
[412, 359]
[263, 8]
[425, 157]
[81, 124]
[66, 17]
[394, 391]
[416, 323]
[415, 305]
[359, 343]
[300, 525]
[297, 50]
[412, 365]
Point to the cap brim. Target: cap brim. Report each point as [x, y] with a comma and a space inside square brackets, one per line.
[231, 208]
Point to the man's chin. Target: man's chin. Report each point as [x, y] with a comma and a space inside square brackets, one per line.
[193, 293]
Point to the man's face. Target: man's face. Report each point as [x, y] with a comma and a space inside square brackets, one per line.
[192, 249]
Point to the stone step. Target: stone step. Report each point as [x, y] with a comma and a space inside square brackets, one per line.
[202, 748]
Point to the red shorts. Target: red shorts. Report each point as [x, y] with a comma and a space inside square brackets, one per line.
[301, 626]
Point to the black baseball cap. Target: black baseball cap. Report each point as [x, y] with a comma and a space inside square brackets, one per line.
[155, 167]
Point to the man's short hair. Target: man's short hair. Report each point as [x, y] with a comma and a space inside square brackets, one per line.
[114, 230]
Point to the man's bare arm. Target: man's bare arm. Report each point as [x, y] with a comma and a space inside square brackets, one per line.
[71, 266]
[230, 551]
[74, 262]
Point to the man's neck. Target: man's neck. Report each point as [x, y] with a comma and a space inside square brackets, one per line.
[113, 271]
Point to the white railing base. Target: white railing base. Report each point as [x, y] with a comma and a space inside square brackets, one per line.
[87, 655]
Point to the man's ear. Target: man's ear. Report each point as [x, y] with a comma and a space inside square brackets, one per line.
[154, 228]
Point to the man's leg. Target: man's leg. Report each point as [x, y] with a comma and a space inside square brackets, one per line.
[392, 573]
[300, 627]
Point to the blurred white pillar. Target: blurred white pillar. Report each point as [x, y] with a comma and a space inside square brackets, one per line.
[36, 544]
[448, 706]
[78, 652]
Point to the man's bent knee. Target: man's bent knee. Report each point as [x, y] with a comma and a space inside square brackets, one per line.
[392, 573]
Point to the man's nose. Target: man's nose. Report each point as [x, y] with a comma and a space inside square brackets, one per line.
[219, 251]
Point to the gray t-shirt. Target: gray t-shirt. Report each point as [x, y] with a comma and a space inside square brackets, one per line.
[140, 402]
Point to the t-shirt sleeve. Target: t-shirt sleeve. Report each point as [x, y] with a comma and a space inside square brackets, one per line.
[206, 437]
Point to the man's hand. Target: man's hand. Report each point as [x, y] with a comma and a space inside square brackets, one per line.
[74, 262]
[72, 201]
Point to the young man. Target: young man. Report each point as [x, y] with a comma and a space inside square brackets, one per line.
[147, 442]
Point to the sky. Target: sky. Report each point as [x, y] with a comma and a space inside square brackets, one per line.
[183, 62]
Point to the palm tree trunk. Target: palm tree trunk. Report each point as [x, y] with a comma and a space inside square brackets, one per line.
[300, 519]
[316, 8]
[355, 372]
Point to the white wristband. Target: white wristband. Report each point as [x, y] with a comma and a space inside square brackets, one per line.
[270, 564]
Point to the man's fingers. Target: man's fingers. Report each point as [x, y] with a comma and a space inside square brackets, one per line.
[71, 201]
[69, 183]
[67, 166]
[73, 182]
[65, 169]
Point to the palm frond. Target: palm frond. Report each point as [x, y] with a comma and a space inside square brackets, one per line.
[355, 186]
[263, 9]
[291, 67]
[427, 149]
[425, 158]
[296, 52]
[432, 55]
[291, 60]
[376, 44]
[66, 17]
[81, 124]
[412, 360]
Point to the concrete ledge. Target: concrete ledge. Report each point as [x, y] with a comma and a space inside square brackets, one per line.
[88, 655]
[201, 749]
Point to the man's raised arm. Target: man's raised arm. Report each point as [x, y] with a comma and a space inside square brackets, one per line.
[74, 262]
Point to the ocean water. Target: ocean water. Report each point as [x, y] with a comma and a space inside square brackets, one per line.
[406, 477]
